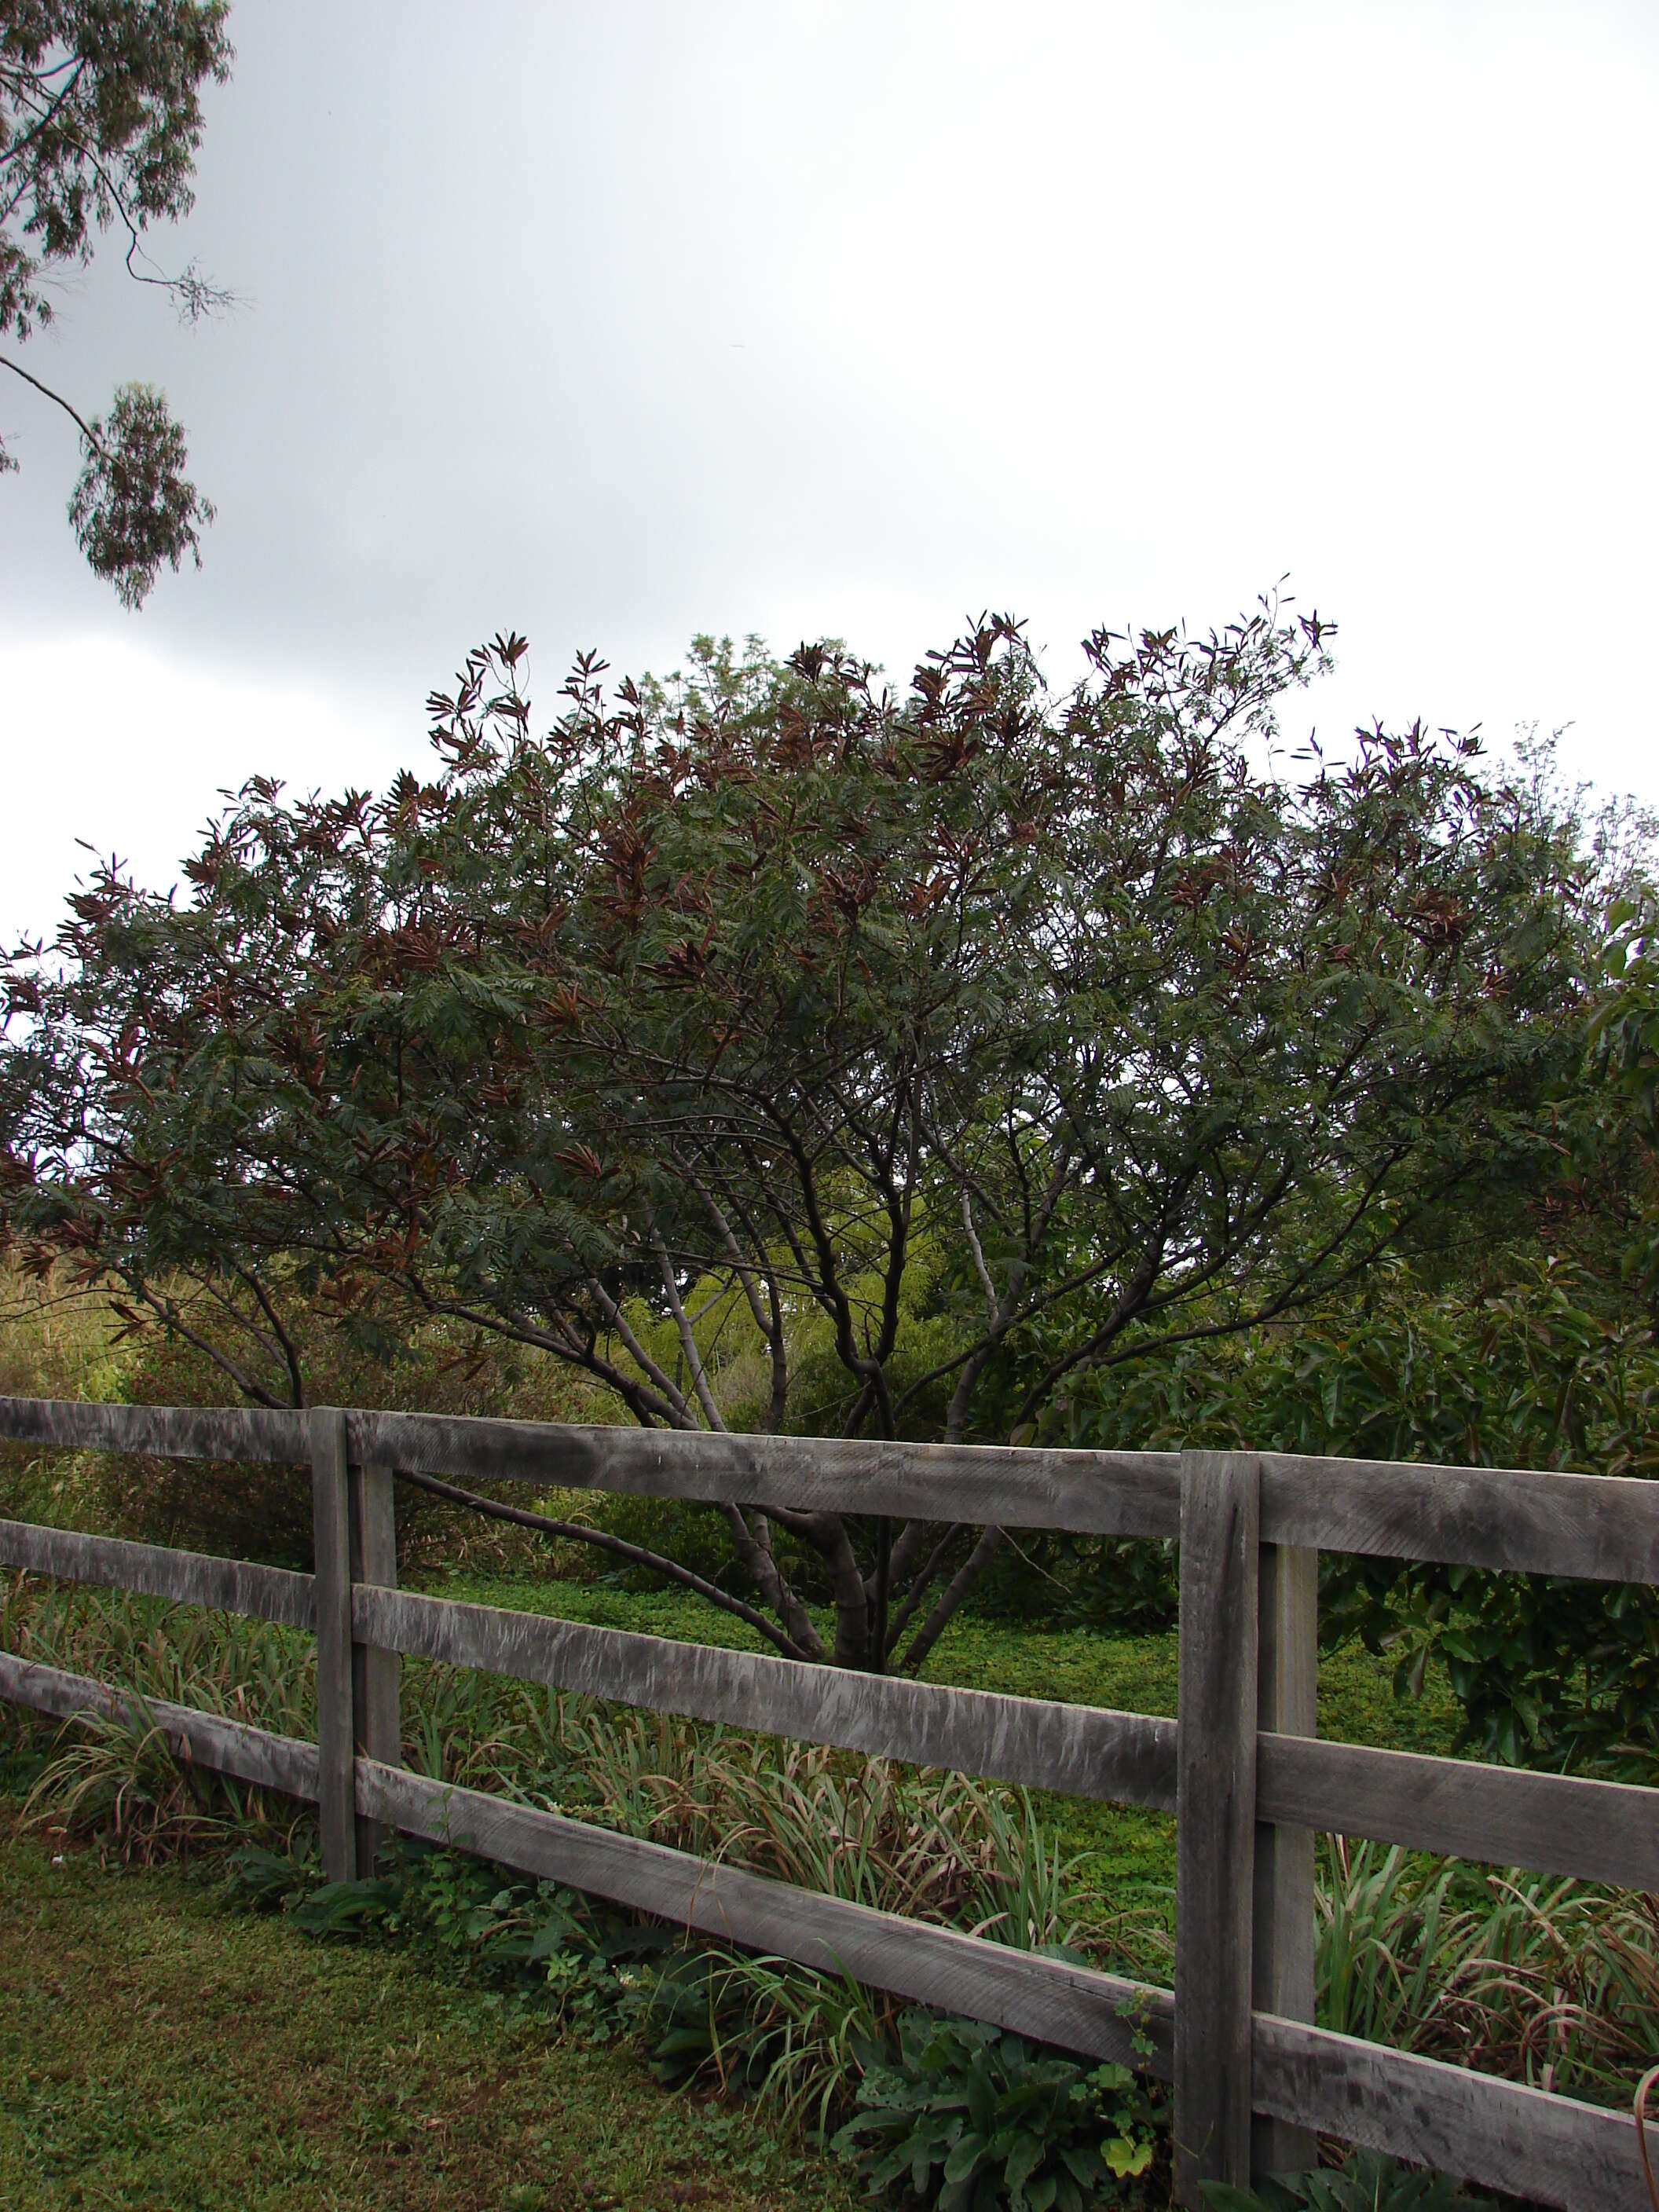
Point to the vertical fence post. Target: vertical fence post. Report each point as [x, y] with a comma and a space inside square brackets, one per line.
[331, 1521]
[1215, 1818]
[377, 1721]
[1287, 1702]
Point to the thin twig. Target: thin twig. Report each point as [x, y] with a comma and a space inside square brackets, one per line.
[579, 1532]
[56, 398]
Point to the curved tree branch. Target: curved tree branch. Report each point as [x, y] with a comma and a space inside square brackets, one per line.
[636, 1554]
[56, 399]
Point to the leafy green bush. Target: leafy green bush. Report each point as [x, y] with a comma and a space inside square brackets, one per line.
[1549, 1672]
[971, 2120]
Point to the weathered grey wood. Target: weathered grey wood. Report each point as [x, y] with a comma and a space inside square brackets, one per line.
[1547, 2150]
[251, 1754]
[332, 1531]
[1603, 1527]
[1107, 1494]
[1215, 1820]
[1075, 2006]
[187, 1577]
[1557, 1823]
[377, 1720]
[1282, 1941]
[1083, 1750]
[208, 1432]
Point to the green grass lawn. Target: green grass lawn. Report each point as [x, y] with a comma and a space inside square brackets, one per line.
[159, 2050]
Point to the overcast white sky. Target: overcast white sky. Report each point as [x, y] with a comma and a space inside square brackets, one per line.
[614, 323]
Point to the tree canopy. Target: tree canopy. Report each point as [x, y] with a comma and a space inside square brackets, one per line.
[100, 120]
[775, 1047]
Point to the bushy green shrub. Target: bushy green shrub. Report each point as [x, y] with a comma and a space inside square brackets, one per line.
[971, 2120]
[762, 2025]
[1549, 1672]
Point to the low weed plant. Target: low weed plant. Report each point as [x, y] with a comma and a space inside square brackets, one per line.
[971, 2120]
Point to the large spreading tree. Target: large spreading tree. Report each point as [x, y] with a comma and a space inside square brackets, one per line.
[778, 1049]
[100, 120]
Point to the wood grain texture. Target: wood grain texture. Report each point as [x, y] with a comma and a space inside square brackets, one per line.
[1603, 1527]
[1283, 1938]
[187, 1577]
[331, 1533]
[1215, 1820]
[1107, 1494]
[1081, 1750]
[251, 1754]
[377, 1719]
[1547, 2150]
[1074, 2007]
[1555, 1823]
[206, 1432]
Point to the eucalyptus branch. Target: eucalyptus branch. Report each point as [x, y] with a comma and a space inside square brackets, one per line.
[167, 1313]
[984, 1549]
[290, 1351]
[93, 443]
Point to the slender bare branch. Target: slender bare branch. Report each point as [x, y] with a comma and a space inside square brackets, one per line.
[578, 1531]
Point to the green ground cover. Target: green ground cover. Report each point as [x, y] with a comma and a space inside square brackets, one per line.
[161, 2051]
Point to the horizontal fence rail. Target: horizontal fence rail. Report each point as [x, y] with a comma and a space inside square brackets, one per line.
[1602, 1528]
[1557, 1824]
[1537, 2146]
[152, 1570]
[233, 1747]
[1083, 1750]
[1225, 2035]
[1552, 1823]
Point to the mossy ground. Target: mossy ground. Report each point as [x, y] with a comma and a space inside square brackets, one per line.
[161, 2051]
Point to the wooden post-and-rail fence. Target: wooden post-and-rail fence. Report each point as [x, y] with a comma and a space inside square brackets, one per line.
[1243, 1769]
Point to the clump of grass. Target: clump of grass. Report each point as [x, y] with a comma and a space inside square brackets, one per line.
[115, 1774]
[1538, 1978]
[798, 2040]
[943, 1848]
[119, 1777]
[938, 1847]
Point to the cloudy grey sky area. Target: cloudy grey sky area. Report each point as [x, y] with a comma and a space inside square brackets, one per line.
[617, 322]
